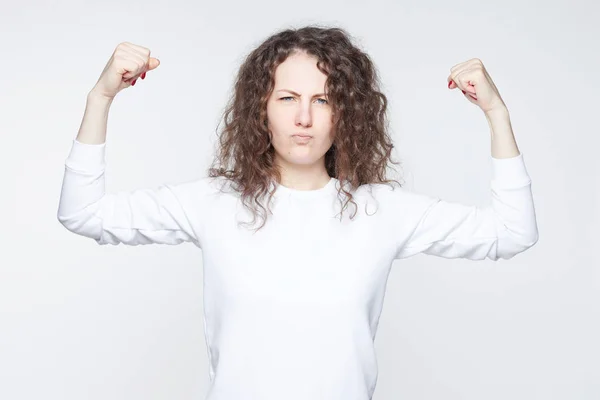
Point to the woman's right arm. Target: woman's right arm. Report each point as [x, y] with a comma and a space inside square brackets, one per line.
[142, 216]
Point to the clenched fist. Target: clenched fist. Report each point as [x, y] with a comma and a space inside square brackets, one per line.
[127, 63]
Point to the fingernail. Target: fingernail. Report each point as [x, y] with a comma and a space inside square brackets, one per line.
[133, 83]
[144, 75]
[463, 91]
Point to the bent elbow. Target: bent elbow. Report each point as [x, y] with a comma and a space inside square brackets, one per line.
[83, 225]
[516, 247]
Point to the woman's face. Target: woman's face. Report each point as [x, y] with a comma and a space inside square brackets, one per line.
[299, 105]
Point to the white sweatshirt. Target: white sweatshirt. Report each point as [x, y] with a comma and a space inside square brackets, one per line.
[291, 312]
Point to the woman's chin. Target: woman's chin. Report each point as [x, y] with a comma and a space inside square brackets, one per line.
[301, 159]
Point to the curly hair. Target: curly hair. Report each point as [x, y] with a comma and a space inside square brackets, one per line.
[361, 148]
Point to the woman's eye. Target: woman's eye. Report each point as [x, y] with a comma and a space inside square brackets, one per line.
[290, 97]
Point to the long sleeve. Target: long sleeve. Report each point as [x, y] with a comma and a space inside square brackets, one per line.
[451, 230]
[142, 216]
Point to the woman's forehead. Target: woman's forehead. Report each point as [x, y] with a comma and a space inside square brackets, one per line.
[299, 73]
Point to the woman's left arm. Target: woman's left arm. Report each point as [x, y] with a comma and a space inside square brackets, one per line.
[453, 230]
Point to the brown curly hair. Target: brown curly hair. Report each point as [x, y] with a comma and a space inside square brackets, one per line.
[361, 148]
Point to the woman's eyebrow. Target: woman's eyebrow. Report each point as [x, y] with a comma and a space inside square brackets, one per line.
[297, 94]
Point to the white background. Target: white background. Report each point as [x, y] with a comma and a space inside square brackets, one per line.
[82, 321]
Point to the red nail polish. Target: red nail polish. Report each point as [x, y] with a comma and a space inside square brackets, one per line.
[133, 83]
[144, 75]
[463, 91]
[449, 84]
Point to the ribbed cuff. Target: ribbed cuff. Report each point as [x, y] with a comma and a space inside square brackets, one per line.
[510, 172]
[86, 157]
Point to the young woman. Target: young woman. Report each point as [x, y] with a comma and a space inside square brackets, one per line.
[297, 224]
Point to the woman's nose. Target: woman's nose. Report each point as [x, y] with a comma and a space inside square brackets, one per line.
[303, 116]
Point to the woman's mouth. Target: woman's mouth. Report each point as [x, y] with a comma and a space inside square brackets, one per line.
[301, 138]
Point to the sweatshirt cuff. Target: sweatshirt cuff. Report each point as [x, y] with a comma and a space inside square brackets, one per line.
[510, 172]
[86, 157]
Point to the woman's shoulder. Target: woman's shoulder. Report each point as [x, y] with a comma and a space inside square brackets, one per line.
[390, 194]
[379, 189]
[203, 187]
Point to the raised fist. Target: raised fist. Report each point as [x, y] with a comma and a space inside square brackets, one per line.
[125, 66]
